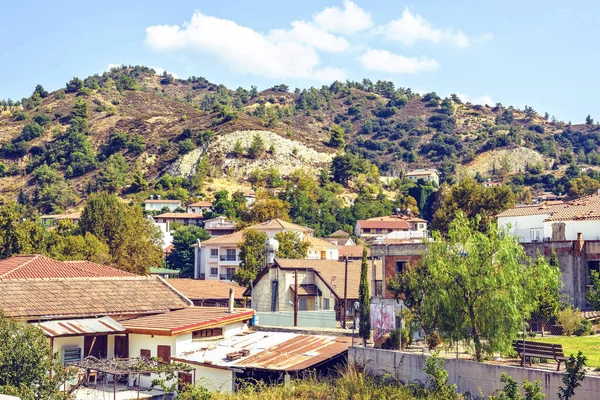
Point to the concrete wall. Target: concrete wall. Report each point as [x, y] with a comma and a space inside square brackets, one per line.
[138, 342]
[521, 227]
[311, 319]
[214, 379]
[573, 260]
[469, 376]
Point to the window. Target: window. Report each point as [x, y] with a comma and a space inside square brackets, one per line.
[204, 333]
[214, 253]
[593, 266]
[164, 353]
[71, 354]
[214, 271]
[326, 304]
[302, 304]
[231, 255]
[400, 266]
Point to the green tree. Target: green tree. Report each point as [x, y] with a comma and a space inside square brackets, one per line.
[74, 85]
[291, 246]
[238, 149]
[593, 293]
[589, 120]
[471, 199]
[182, 255]
[252, 256]
[483, 284]
[185, 146]
[364, 311]
[575, 366]
[346, 166]
[112, 177]
[139, 183]
[80, 108]
[25, 360]
[336, 139]
[31, 131]
[264, 209]
[80, 247]
[257, 147]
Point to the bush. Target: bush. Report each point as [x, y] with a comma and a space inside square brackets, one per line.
[31, 131]
[185, 146]
[20, 115]
[74, 85]
[393, 342]
[42, 119]
[570, 320]
[433, 340]
[585, 328]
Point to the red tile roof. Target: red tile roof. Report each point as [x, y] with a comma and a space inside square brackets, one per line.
[186, 320]
[379, 224]
[180, 215]
[32, 299]
[37, 266]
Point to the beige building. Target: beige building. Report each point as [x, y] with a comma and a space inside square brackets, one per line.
[218, 257]
[199, 207]
[425, 174]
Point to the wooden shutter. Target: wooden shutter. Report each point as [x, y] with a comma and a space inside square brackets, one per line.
[164, 352]
[121, 347]
[185, 378]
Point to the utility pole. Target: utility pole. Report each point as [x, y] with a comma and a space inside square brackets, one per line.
[345, 292]
[296, 298]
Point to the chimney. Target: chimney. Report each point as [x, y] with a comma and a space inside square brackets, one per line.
[231, 299]
[197, 249]
[579, 244]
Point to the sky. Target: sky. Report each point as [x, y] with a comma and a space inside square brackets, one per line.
[538, 53]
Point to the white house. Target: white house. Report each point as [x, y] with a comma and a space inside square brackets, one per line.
[425, 174]
[554, 220]
[218, 257]
[396, 226]
[179, 218]
[199, 207]
[219, 226]
[159, 204]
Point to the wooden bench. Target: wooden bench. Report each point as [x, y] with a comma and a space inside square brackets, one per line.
[539, 350]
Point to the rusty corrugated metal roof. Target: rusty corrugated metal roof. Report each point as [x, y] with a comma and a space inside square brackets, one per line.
[74, 327]
[275, 351]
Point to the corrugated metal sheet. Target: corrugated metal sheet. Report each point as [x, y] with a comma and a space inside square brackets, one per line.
[72, 327]
[275, 351]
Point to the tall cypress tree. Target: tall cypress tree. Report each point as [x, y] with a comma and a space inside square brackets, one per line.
[364, 330]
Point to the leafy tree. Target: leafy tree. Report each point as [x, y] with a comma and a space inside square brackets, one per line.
[185, 146]
[238, 150]
[42, 119]
[74, 85]
[575, 366]
[39, 89]
[257, 147]
[51, 194]
[223, 205]
[252, 256]
[483, 284]
[25, 360]
[31, 131]
[80, 108]
[80, 247]
[139, 183]
[291, 246]
[593, 293]
[337, 137]
[472, 199]
[346, 166]
[589, 120]
[264, 209]
[182, 255]
[112, 177]
[364, 311]
[134, 242]
[582, 186]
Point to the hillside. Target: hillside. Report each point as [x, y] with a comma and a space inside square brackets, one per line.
[164, 125]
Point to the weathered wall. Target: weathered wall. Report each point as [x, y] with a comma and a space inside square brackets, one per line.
[573, 258]
[469, 376]
[390, 253]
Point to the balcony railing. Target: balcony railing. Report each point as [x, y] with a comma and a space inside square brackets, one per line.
[228, 258]
[225, 277]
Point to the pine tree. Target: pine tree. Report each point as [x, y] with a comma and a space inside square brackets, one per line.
[337, 137]
[364, 330]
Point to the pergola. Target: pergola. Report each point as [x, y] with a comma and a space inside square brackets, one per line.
[118, 367]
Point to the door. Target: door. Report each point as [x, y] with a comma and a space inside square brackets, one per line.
[121, 347]
[95, 346]
[185, 378]
[164, 352]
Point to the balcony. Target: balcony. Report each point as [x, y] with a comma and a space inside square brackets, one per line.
[225, 277]
[229, 259]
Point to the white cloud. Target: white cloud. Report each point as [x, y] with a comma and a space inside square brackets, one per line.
[351, 19]
[411, 28]
[307, 33]
[247, 51]
[384, 61]
[483, 100]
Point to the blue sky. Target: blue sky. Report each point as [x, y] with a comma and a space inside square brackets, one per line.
[540, 53]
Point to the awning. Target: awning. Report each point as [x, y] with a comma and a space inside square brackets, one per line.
[307, 290]
[83, 326]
